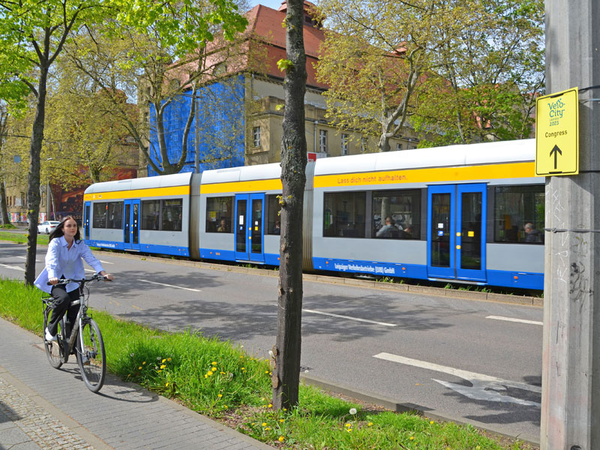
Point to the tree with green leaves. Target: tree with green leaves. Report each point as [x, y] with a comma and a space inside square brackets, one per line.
[32, 36]
[164, 64]
[287, 350]
[434, 65]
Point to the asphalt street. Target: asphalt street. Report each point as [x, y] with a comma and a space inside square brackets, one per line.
[466, 360]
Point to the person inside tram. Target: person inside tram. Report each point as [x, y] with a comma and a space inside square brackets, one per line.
[222, 227]
[531, 234]
[277, 227]
[389, 230]
[406, 233]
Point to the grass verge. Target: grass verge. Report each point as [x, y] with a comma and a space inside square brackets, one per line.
[21, 238]
[219, 380]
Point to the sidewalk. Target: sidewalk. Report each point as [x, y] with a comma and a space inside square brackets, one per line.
[41, 407]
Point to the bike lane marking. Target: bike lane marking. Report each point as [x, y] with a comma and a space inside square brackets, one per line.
[483, 387]
[511, 319]
[350, 318]
[171, 286]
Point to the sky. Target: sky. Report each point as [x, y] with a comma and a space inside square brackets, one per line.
[275, 4]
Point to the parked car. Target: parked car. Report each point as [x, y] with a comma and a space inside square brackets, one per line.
[48, 226]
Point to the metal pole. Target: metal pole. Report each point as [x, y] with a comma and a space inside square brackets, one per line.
[196, 136]
[571, 355]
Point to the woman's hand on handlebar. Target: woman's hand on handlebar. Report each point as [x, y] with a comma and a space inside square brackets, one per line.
[107, 276]
[53, 281]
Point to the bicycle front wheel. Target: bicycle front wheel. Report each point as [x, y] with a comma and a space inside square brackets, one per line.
[92, 358]
[54, 349]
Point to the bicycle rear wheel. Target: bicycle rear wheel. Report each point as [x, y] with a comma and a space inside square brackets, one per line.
[54, 349]
[92, 358]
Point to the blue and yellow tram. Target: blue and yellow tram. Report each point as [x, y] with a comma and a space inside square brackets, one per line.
[456, 213]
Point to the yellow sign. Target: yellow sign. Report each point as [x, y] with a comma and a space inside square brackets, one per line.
[557, 134]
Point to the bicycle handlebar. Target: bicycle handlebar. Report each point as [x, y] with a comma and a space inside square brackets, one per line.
[95, 277]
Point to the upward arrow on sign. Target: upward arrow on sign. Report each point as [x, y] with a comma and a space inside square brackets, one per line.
[555, 151]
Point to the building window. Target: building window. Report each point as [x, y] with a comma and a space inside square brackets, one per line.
[344, 214]
[398, 146]
[397, 214]
[219, 214]
[363, 145]
[345, 144]
[519, 214]
[323, 141]
[256, 136]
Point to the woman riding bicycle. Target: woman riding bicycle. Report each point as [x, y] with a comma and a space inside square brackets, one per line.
[64, 259]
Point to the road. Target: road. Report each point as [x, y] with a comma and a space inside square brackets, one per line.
[473, 361]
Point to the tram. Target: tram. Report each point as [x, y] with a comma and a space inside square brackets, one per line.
[465, 213]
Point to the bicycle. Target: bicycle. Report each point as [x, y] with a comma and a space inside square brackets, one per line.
[84, 340]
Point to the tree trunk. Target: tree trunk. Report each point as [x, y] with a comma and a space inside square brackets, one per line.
[4, 219]
[33, 192]
[286, 374]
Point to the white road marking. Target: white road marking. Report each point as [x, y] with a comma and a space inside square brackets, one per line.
[350, 318]
[470, 376]
[105, 262]
[510, 319]
[12, 267]
[171, 286]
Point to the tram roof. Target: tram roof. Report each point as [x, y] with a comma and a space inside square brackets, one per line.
[178, 179]
[450, 156]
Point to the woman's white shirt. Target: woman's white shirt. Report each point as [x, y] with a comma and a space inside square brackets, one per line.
[68, 262]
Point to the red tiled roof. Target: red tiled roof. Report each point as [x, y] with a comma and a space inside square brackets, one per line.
[266, 23]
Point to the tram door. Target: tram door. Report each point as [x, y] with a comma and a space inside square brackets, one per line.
[249, 230]
[86, 220]
[456, 232]
[131, 225]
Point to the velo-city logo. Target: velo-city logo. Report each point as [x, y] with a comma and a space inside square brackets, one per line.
[556, 112]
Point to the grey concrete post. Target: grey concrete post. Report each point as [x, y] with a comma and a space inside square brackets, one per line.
[571, 355]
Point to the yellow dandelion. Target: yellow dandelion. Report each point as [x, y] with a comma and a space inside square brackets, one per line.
[348, 425]
[205, 376]
[214, 369]
[214, 363]
[267, 371]
[411, 438]
[209, 373]
[349, 430]
[225, 406]
[167, 384]
[264, 424]
[431, 422]
[270, 405]
[282, 420]
[140, 368]
[222, 373]
[267, 429]
[168, 359]
[159, 371]
[285, 409]
[163, 361]
[370, 424]
[163, 366]
[220, 395]
[143, 363]
[281, 439]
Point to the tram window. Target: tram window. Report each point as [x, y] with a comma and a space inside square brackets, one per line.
[219, 214]
[273, 214]
[150, 215]
[344, 214]
[519, 214]
[171, 214]
[397, 214]
[100, 214]
[115, 215]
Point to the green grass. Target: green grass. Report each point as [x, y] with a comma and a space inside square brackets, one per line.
[21, 238]
[221, 381]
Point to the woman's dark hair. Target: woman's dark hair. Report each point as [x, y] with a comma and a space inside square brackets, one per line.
[58, 231]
